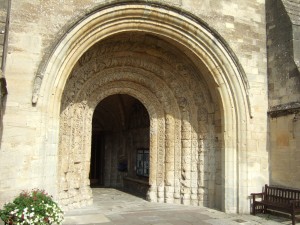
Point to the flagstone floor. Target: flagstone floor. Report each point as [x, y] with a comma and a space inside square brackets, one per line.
[114, 207]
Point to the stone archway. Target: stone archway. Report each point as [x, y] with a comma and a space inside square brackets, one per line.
[193, 90]
[182, 136]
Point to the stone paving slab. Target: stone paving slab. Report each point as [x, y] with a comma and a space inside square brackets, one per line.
[114, 207]
[83, 219]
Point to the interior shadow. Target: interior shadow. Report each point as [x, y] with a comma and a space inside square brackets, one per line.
[120, 145]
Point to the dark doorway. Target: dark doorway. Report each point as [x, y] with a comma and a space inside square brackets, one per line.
[120, 135]
[97, 159]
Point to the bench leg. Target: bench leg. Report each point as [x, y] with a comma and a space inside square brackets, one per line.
[293, 218]
[265, 209]
[253, 208]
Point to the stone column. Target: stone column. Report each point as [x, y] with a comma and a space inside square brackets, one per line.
[169, 159]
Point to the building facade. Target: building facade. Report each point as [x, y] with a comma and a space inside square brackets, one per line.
[186, 102]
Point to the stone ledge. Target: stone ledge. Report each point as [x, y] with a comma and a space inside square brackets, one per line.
[284, 109]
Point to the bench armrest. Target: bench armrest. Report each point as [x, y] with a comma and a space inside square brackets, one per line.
[254, 195]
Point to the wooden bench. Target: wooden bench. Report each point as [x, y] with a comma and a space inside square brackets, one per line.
[278, 199]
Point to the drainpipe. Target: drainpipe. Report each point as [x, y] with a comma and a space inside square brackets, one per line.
[3, 88]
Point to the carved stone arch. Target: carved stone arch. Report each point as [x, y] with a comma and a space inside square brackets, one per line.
[81, 114]
[150, 76]
[204, 45]
[108, 85]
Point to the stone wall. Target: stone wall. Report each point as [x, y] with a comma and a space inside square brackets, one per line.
[4, 25]
[284, 77]
[284, 151]
[292, 8]
[31, 131]
[284, 91]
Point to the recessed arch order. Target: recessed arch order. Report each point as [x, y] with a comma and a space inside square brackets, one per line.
[205, 45]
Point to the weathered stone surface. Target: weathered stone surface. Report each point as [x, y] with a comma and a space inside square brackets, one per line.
[284, 92]
[199, 68]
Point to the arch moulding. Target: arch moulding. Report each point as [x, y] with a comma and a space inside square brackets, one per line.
[206, 47]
